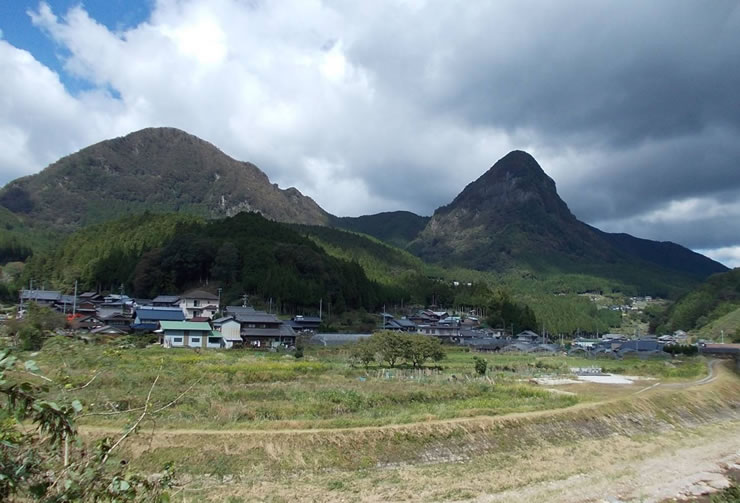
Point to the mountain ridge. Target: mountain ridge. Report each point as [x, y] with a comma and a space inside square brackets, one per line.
[156, 169]
[511, 217]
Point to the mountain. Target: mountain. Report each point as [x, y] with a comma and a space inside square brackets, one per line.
[398, 228]
[155, 169]
[512, 217]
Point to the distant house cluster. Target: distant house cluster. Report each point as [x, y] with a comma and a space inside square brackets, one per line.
[193, 319]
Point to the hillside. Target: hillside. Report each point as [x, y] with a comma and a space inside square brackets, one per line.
[398, 228]
[707, 303]
[381, 262]
[512, 218]
[155, 169]
[729, 324]
[152, 254]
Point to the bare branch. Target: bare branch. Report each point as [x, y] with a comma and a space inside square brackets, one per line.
[138, 421]
[86, 385]
[173, 402]
[38, 375]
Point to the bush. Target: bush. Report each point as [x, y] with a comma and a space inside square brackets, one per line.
[481, 365]
[30, 338]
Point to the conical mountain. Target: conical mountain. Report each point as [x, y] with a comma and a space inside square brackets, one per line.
[156, 169]
[512, 217]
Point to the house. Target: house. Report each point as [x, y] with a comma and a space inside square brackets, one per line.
[230, 330]
[93, 297]
[147, 318]
[198, 303]
[306, 322]
[238, 310]
[108, 330]
[86, 307]
[88, 322]
[166, 301]
[115, 304]
[260, 329]
[119, 321]
[441, 331]
[527, 336]
[187, 334]
[41, 297]
[398, 325]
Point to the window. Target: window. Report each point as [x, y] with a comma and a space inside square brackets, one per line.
[195, 340]
[177, 339]
[214, 340]
[196, 303]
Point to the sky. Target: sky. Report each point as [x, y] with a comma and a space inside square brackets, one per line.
[632, 107]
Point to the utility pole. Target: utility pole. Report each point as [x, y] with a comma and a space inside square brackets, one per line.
[723, 336]
[74, 301]
[321, 307]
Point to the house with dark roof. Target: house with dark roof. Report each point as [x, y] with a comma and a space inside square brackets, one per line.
[306, 322]
[166, 301]
[41, 297]
[90, 297]
[118, 320]
[260, 329]
[108, 330]
[147, 319]
[198, 303]
[88, 322]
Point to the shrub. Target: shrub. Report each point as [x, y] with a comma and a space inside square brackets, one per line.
[481, 365]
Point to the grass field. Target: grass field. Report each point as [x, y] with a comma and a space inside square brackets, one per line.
[248, 426]
[249, 390]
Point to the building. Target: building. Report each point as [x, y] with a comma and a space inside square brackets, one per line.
[260, 329]
[119, 321]
[311, 323]
[166, 301]
[186, 334]
[41, 297]
[230, 330]
[198, 303]
[147, 319]
[442, 331]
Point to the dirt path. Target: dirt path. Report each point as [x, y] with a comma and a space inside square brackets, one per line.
[679, 472]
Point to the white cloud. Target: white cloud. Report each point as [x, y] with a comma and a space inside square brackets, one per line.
[398, 105]
[730, 255]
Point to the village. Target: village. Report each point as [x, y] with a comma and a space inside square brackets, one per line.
[196, 319]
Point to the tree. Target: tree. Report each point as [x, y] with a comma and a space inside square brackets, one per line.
[391, 346]
[364, 351]
[45, 464]
[421, 347]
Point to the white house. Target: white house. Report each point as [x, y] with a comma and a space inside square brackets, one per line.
[198, 303]
[188, 334]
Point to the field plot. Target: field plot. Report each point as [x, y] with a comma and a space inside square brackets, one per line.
[246, 426]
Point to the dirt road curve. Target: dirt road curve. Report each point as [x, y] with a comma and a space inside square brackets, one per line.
[690, 470]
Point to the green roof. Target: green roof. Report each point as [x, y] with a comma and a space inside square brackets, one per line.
[185, 325]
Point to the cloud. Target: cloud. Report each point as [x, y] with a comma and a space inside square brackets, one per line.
[630, 107]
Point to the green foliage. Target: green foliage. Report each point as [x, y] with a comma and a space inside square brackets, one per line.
[363, 351]
[29, 331]
[481, 365]
[49, 464]
[681, 349]
[393, 347]
[398, 228]
[504, 312]
[150, 254]
[711, 300]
